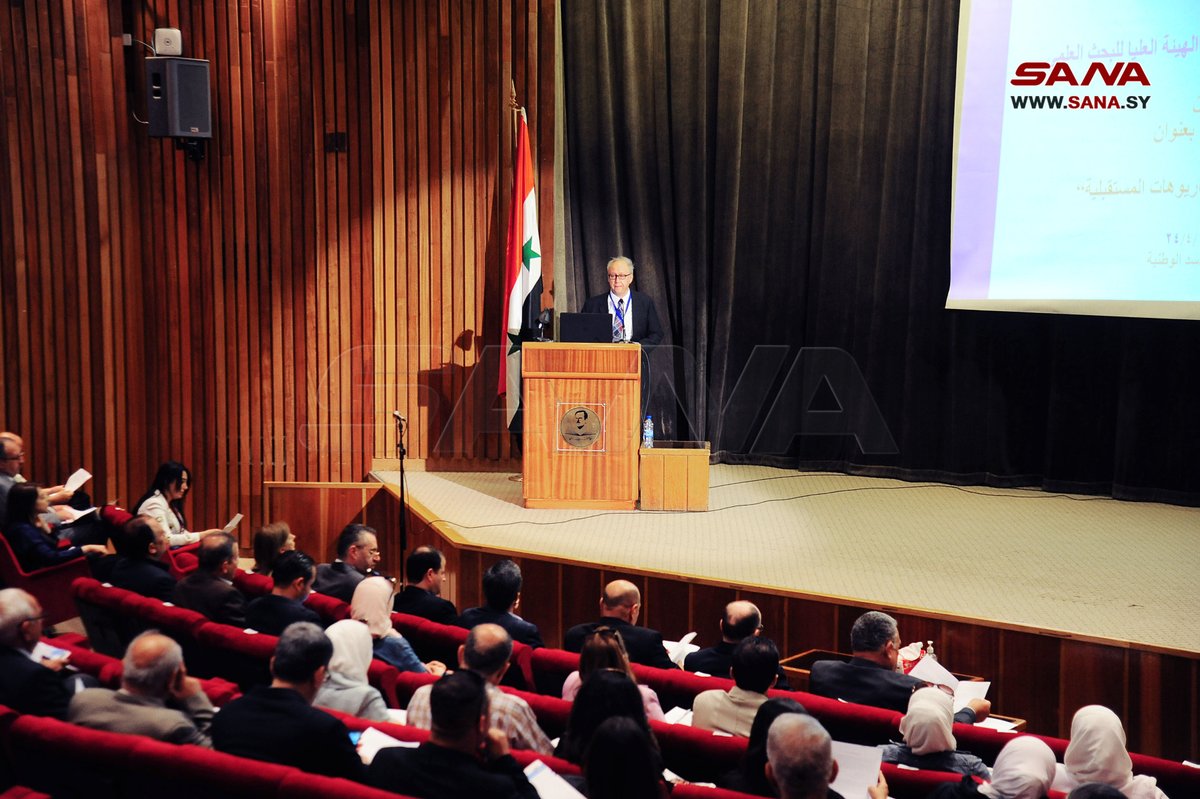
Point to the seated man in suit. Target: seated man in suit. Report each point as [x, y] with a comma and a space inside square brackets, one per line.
[870, 677]
[425, 570]
[293, 577]
[620, 606]
[153, 676]
[502, 594]
[741, 620]
[30, 683]
[141, 565]
[633, 313]
[463, 757]
[209, 589]
[357, 556]
[755, 664]
[278, 724]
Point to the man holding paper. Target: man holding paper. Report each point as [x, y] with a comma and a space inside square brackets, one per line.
[870, 677]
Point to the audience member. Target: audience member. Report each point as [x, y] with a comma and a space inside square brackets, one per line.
[463, 758]
[12, 458]
[740, 620]
[425, 570]
[604, 649]
[1024, 770]
[486, 652]
[140, 565]
[278, 724]
[928, 730]
[800, 760]
[293, 578]
[1097, 753]
[750, 775]
[209, 589]
[30, 683]
[502, 596]
[163, 502]
[621, 763]
[870, 677]
[269, 543]
[603, 695]
[346, 689]
[153, 676]
[30, 537]
[755, 663]
[1095, 790]
[372, 603]
[357, 555]
[620, 606]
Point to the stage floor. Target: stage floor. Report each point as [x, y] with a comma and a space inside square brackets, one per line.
[1088, 566]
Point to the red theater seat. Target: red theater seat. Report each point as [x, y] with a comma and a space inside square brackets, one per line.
[51, 585]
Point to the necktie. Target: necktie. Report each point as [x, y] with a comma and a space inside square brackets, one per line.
[619, 321]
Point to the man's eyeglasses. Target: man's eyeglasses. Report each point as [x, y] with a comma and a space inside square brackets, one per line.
[619, 277]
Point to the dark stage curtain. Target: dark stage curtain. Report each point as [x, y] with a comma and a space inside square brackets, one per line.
[780, 173]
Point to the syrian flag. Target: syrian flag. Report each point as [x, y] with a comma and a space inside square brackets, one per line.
[523, 273]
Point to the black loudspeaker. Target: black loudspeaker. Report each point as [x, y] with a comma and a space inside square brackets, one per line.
[177, 98]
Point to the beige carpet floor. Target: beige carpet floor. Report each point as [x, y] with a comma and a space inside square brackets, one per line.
[1084, 565]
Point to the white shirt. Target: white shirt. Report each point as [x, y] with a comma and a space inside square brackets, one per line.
[626, 312]
[158, 508]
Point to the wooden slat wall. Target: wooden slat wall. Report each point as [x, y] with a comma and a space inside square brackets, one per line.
[260, 314]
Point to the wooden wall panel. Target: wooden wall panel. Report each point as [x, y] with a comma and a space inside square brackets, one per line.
[258, 315]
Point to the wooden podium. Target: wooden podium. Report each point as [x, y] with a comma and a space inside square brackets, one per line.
[582, 424]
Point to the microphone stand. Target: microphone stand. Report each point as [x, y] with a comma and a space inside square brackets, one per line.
[401, 452]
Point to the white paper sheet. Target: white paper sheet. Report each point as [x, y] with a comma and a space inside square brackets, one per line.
[76, 481]
[858, 769]
[548, 784]
[372, 740]
[999, 725]
[678, 715]
[678, 650]
[966, 690]
[233, 523]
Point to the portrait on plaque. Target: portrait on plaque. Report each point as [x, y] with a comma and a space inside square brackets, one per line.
[580, 426]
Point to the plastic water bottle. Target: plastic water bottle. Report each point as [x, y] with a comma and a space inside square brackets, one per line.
[648, 433]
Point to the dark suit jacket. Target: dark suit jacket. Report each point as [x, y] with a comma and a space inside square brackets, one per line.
[419, 602]
[438, 773]
[519, 629]
[337, 580]
[717, 660]
[867, 683]
[647, 330]
[150, 578]
[215, 598]
[278, 726]
[644, 645]
[29, 687]
[270, 614]
[36, 550]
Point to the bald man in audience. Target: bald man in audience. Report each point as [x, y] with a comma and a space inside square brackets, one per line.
[742, 619]
[157, 697]
[620, 606]
[800, 760]
[141, 563]
[209, 589]
[486, 652]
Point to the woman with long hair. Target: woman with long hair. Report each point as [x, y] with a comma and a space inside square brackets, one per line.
[604, 694]
[750, 775]
[28, 534]
[620, 763]
[269, 543]
[163, 501]
[603, 648]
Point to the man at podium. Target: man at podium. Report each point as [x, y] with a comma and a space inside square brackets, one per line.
[634, 317]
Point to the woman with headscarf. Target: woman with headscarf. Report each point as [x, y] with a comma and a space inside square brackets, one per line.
[346, 688]
[372, 603]
[929, 742]
[603, 648]
[1024, 770]
[1097, 753]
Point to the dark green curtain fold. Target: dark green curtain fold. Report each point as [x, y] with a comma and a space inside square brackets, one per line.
[780, 173]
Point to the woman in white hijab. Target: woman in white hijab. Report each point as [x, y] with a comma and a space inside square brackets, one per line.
[372, 603]
[1097, 754]
[1024, 770]
[346, 687]
[929, 742]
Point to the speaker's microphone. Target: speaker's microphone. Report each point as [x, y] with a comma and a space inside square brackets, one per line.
[399, 417]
